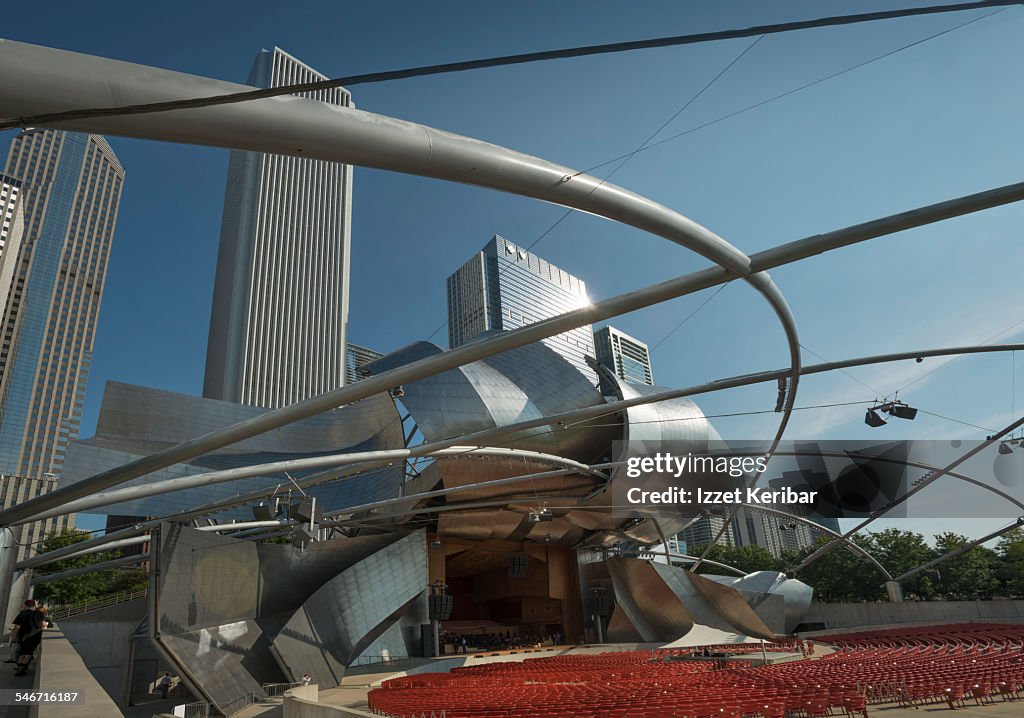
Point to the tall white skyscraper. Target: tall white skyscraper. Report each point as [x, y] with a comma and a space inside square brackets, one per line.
[505, 287]
[280, 303]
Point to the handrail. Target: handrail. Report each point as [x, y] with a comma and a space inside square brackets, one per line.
[76, 609]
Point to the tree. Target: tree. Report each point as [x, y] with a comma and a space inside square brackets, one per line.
[745, 558]
[1010, 567]
[88, 587]
[842, 575]
[969, 576]
[901, 551]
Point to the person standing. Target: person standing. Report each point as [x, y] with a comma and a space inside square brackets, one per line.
[30, 623]
[306, 679]
[164, 684]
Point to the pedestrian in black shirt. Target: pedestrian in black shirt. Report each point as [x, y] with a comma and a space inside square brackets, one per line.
[30, 624]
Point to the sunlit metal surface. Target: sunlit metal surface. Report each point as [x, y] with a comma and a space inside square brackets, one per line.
[216, 598]
[136, 420]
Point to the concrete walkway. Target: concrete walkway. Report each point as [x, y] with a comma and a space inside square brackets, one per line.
[58, 669]
[9, 680]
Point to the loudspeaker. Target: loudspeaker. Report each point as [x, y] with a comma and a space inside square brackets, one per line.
[306, 511]
[266, 510]
[440, 606]
[427, 639]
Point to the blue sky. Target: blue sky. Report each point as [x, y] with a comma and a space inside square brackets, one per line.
[930, 123]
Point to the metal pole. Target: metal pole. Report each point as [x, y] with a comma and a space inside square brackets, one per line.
[82, 570]
[436, 630]
[963, 549]
[131, 493]
[94, 547]
[934, 476]
[375, 458]
[8, 557]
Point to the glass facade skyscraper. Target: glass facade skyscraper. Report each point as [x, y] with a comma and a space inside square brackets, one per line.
[628, 358]
[280, 303]
[504, 287]
[70, 193]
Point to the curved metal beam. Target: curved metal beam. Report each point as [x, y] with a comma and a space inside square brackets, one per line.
[370, 458]
[962, 549]
[49, 80]
[42, 92]
[82, 570]
[90, 546]
[363, 460]
[717, 564]
[854, 548]
[591, 412]
[934, 476]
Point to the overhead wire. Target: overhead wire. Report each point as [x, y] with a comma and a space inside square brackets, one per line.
[626, 158]
[580, 51]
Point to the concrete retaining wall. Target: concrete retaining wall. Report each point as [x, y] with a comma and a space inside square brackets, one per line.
[837, 616]
[301, 702]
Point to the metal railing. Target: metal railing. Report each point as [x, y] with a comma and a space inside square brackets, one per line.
[199, 709]
[76, 609]
[239, 703]
[276, 690]
[389, 661]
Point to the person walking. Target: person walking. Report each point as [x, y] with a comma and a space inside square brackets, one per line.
[165, 685]
[30, 623]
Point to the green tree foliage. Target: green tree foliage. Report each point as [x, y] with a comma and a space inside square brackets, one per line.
[746, 558]
[902, 551]
[90, 586]
[842, 575]
[1010, 566]
[977, 574]
[971, 575]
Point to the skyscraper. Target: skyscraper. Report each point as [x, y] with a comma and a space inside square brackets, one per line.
[628, 358]
[504, 287]
[280, 302]
[18, 489]
[70, 193]
[12, 229]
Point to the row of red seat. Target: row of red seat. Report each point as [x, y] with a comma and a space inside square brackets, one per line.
[911, 666]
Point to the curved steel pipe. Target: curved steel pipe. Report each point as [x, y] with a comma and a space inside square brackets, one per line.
[51, 80]
[931, 478]
[370, 459]
[818, 527]
[373, 458]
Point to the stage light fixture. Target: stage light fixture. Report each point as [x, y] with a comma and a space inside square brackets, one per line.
[873, 418]
[900, 410]
[540, 515]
